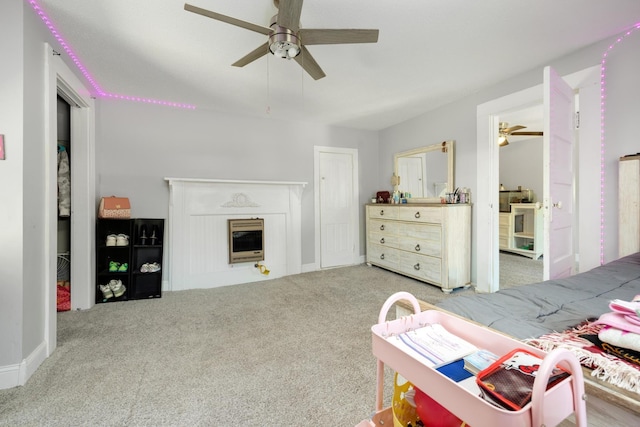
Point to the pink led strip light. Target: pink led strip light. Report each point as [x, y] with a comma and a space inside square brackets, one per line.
[99, 92]
[603, 99]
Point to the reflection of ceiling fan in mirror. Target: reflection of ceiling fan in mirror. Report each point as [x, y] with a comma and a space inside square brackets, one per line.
[505, 131]
[287, 40]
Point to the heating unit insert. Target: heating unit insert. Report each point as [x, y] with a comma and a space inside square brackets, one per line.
[246, 240]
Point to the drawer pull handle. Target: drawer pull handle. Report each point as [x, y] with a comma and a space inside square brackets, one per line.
[417, 266]
[382, 240]
[417, 215]
[382, 227]
[381, 256]
[417, 248]
[381, 212]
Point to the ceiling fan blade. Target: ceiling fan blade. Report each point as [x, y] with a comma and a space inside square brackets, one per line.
[513, 128]
[526, 133]
[309, 64]
[227, 19]
[317, 36]
[252, 56]
[289, 14]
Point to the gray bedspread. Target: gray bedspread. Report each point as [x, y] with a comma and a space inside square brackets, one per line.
[530, 311]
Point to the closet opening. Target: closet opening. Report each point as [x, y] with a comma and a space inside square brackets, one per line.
[63, 275]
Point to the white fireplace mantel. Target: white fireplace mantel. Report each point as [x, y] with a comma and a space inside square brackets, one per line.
[198, 242]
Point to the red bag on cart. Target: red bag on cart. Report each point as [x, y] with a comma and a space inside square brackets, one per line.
[508, 382]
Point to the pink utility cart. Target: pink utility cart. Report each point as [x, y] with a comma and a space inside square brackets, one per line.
[547, 407]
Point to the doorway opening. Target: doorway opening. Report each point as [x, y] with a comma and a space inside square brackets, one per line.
[487, 201]
[520, 166]
[63, 156]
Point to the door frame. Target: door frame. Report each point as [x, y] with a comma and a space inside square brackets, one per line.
[354, 203]
[60, 80]
[486, 246]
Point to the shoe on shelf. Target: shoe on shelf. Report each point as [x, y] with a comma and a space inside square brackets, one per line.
[149, 267]
[154, 235]
[122, 240]
[123, 267]
[106, 291]
[143, 235]
[111, 240]
[117, 288]
[113, 266]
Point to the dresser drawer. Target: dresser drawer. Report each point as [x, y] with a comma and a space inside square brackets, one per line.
[421, 266]
[421, 247]
[390, 240]
[421, 214]
[420, 232]
[382, 255]
[503, 242]
[384, 226]
[383, 211]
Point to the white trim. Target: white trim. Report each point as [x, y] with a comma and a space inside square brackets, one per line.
[18, 374]
[355, 223]
[234, 181]
[60, 79]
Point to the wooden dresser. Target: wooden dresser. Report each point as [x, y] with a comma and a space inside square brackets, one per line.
[429, 242]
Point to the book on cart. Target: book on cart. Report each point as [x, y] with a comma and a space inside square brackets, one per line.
[433, 345]
[479, 360]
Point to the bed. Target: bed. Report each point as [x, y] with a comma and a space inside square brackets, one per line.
[535, 310]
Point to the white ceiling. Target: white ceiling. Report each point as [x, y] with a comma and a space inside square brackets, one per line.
[429, 52]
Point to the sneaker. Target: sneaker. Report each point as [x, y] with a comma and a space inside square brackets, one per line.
[117, 288]
[111, 240]
[106, 291]
[123, 267]
[122, 240]
[149, 267]
[113, 266]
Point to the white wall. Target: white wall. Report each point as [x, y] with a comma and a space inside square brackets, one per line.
[22, 222]
[11, 177]
[138, 145]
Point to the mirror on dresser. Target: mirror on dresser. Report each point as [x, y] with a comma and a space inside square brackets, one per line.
[426, 172]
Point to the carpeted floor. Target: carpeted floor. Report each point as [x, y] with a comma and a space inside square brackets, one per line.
[293, 351]
[519, 270]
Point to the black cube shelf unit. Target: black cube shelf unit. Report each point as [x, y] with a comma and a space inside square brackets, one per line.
[136, 242]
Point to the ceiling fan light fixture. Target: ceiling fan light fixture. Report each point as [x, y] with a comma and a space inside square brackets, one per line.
[502, 140]
[283, 43]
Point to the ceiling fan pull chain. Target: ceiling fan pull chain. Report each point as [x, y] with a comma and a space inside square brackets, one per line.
[268, 91]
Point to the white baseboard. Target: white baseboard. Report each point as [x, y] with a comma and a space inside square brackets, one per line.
[307, 268]
[18, 374]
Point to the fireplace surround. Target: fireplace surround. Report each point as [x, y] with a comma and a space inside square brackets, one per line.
[199, 214]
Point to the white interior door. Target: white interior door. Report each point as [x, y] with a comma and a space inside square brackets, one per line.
[410, 173]
[337, 201]
[558, 177]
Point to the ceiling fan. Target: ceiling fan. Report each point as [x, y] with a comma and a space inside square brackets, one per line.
[505, 131]
[286, 38]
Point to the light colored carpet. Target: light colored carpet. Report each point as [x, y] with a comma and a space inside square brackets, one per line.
[518, 270]
[293, 351]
